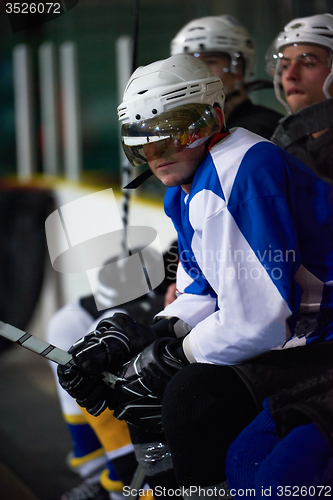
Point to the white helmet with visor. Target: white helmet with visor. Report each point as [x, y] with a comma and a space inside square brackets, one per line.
[217, 34]
[313, 30]
[169, 103]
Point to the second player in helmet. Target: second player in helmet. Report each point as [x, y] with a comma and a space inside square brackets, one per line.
[228, 49]
[301, 61]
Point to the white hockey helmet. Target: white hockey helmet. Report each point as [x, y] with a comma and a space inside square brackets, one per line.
[313, 30]
[217, 34]
[171, 100]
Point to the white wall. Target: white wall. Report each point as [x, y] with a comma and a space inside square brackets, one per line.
[61, 288]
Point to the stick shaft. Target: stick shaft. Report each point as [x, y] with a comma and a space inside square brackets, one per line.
[34, 344]
[43, 348]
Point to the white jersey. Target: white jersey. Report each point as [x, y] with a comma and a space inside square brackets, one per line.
[255, 239]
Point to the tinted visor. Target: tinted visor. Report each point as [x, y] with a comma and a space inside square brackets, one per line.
[182, 127]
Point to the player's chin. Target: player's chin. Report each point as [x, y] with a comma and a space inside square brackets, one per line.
[297, 102]
[169, 180]
[171, 183]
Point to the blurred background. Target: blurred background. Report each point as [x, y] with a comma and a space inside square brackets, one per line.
[95, 26]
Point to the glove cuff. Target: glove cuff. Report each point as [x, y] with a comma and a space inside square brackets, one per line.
[170, 326]
[158, 363]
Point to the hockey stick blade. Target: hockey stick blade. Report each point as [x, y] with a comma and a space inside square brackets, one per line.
[43, 348]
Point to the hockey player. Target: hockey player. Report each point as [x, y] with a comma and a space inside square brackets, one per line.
[301, 59]
[296, 424]
[255, 277]
[229, 50]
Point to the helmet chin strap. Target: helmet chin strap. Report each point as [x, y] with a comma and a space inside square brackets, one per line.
[277, 89]
[327, 83]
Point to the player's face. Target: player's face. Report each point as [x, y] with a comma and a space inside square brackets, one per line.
[220, 66]
[304, 69]
[177, 168]
[174, 168]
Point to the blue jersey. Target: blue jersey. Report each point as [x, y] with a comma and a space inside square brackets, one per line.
[256, 252]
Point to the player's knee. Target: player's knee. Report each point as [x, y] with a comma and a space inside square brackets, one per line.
[181, 396]
[67, 325]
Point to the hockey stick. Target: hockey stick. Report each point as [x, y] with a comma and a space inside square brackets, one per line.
[62, 357]
[44, 349]
[251, 86]
[126, 167]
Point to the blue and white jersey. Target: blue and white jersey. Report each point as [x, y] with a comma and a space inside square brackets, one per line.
[256, 252]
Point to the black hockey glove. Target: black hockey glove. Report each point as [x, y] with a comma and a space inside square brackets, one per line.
[90, 391]
[112, 344]
[170, 326]
[139, 393]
